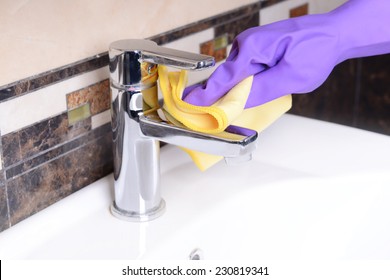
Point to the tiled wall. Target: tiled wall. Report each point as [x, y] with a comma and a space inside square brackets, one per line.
[357, 93]
[63, 142]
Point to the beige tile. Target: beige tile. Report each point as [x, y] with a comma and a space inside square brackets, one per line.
[281, 10]
[44, 103]
[40, 35]
[100, 119]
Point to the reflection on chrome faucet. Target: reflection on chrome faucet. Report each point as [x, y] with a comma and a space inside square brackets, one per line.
[137, 128]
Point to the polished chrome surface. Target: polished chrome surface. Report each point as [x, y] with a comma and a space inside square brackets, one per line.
[208, 143]
[137, 128]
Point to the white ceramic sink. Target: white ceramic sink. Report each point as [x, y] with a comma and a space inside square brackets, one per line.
[313, 190]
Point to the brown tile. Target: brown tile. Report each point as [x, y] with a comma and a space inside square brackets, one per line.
[207, 48]
[46, 184]
[236, 26]
[2, 174]
[11, 149]
[41, 136]
[77, 136]
[95, 162]
[33, 83]
[220, 54]
[37, 189]
[2, 177]
[299, 11]
[268, 3]
[215, 48]
[334, 100]
[97, 95]
[49, 133]
[4, 218]
[213, 21]
[374, 97]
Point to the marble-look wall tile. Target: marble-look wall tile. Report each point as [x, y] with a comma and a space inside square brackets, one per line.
[45, 157]
[2, 176]
[334, 101]
[1, 157]
[374, 95]
[36, 42]
[25, 110]
[267, 3]
[216, 48]
[204, 24]
[55, 151]
[357, 93]
[4, 218]
[11, 149]
[39, 137]
[97, 95]
[50, 77]
[58, 178]
[233, 28]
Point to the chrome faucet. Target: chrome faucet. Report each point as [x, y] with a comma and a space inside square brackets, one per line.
[137, 127]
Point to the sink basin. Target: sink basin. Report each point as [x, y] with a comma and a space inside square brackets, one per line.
[314, 190]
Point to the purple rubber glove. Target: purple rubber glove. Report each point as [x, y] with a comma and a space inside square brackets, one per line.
[297, 55]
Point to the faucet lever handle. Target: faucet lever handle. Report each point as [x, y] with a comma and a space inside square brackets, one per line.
[150, 52]
[178, 59]
[128, 56]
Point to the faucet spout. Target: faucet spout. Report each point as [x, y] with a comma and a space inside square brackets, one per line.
[239, 146]
[137, 129]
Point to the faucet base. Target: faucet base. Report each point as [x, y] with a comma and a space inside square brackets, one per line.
[136, 216]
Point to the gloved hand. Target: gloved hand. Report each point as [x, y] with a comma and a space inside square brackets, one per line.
[298, 54]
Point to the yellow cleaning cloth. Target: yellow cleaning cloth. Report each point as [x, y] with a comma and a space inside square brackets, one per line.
[229, 110]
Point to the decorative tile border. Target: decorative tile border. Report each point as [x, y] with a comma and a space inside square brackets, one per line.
[233, 28]
[268, 3]
[49, 159]
[89, 159]
[212, 22]
[89, 64]
[4, 216]
[98, 96]
[30, 84]
[41, 137]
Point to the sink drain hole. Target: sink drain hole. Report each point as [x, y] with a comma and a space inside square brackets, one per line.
[196, 255]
